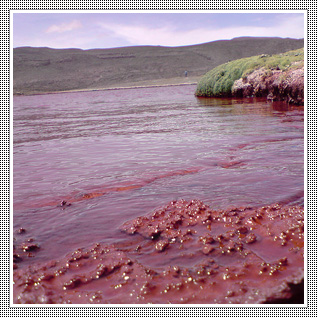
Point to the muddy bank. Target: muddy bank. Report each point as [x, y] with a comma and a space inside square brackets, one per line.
[150, 84]
[182, 253]
[275, 85]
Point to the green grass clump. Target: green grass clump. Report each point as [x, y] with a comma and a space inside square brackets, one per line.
[219, 81]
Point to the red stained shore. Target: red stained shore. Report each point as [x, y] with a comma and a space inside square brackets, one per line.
[182, 253]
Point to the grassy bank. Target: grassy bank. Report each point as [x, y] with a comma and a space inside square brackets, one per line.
[219, 81]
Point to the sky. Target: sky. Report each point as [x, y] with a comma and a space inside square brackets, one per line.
[109, 29]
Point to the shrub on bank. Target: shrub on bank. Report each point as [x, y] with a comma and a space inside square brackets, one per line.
[219, 81]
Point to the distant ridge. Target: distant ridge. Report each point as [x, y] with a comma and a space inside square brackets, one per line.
[42, 69]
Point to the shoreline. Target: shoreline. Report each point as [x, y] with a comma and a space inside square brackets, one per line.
[104, 89]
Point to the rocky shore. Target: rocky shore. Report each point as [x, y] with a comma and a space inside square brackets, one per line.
[275, 85]
[182, 253]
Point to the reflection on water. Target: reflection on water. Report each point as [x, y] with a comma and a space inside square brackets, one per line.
[249, 105]
[115, 155]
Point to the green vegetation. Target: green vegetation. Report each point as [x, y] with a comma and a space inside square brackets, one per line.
[219, 81]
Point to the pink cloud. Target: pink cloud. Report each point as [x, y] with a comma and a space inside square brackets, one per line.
[64, 27]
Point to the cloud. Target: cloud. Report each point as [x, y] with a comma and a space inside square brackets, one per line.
[117, 32]
[64, 27]
[168, 35]
[62, 41]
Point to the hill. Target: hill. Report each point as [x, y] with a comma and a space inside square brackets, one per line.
[40, 70]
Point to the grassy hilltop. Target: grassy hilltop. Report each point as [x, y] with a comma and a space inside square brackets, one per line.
[219, 81]
[278, 77]
[40, 70]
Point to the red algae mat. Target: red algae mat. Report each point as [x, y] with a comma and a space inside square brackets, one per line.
[182, 253]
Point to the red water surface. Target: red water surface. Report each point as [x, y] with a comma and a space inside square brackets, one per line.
[85, 163]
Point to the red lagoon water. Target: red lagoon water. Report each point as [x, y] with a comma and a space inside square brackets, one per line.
[113, 156]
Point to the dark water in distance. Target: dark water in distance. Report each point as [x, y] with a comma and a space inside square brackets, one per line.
[119, 154]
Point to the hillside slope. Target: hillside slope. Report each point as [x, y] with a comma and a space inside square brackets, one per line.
[37, 70]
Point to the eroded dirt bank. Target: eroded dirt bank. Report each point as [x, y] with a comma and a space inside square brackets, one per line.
[276, 85]
[182, 253]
